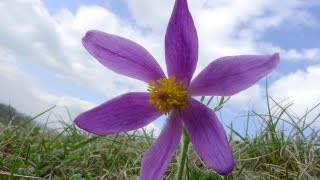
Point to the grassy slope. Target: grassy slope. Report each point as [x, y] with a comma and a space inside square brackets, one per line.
[70, 154]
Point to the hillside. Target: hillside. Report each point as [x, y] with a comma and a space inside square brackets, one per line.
[9, 114]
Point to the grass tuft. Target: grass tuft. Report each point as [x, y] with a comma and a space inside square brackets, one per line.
[285, 147]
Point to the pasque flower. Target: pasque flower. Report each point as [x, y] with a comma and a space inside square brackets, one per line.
[171, 95]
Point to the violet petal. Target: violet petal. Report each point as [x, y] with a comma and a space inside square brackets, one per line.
[124, 113]
[122, 56]
[181, 43]
[157, 158]
[229, 75]
[208, 137]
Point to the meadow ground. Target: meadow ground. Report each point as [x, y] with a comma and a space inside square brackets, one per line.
[284, 147]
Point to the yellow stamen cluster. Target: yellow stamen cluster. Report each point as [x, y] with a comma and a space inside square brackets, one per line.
[167, 94]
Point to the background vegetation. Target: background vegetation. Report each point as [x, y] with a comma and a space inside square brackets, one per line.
[284, 147]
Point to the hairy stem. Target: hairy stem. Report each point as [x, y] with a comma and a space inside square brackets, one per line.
[183, 154]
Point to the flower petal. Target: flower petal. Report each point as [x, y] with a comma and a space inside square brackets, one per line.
[157, 158]
[122, 56]
[229, 75]
[208, 137]
[123, 113]
[181, 43]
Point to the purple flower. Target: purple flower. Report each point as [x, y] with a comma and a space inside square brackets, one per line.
[225, 76]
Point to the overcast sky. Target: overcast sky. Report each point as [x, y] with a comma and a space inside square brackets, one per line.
[43, 63]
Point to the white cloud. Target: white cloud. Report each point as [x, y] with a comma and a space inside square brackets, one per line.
[302, 87]
[21, 91]
[54, 41]
[233, 27]
[312, 54]
[249, 99]
[293, 55]
[304, 54]
[153, 14]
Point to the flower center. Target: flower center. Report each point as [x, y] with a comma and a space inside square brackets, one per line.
[167, 94]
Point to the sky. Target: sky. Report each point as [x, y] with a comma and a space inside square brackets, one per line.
[43, 63]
